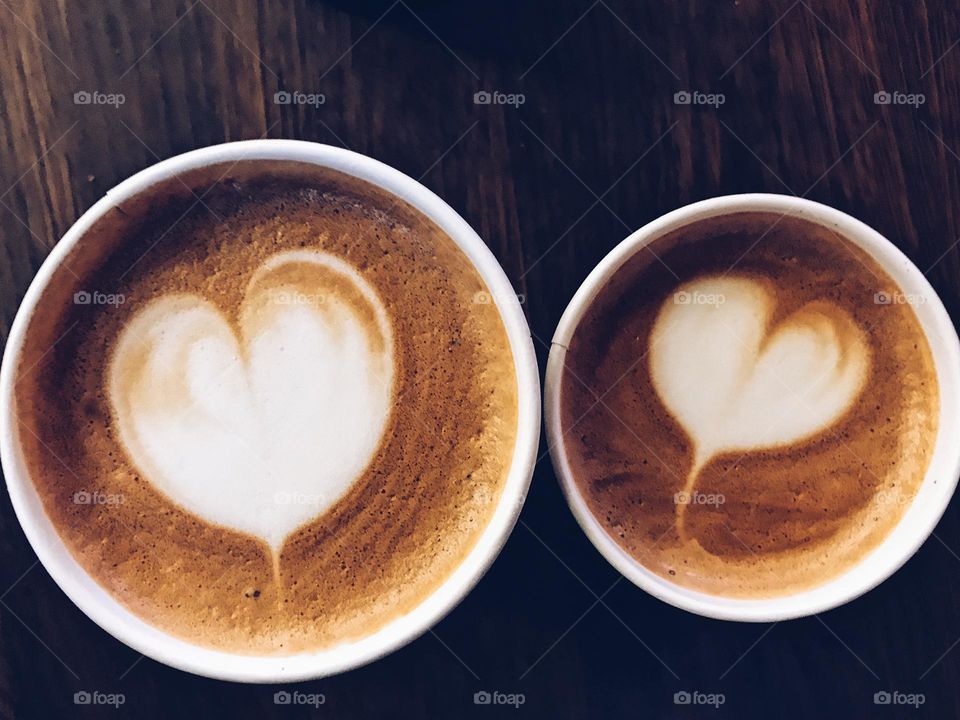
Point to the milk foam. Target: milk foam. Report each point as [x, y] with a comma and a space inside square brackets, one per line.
[262, 423]
[736, 383]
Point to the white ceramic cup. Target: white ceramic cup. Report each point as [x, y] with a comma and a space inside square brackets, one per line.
[934, 493]
[113, 617]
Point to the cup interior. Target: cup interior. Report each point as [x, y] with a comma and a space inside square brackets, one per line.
[932, 496]
[113, 617]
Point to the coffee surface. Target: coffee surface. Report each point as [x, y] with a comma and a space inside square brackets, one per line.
[272, 419]
[749, 405]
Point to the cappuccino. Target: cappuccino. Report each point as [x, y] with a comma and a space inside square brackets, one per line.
[302, 415]
[749, 405]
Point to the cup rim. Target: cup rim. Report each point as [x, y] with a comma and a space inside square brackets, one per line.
[149, 640]
[937, 487]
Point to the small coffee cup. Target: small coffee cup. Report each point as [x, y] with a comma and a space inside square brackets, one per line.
[933, 494]
[116, 619]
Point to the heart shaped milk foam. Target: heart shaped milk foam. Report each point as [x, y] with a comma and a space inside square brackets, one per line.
[259, 424]
[736, 383]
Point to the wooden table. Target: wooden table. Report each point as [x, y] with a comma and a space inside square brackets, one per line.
[598, 147]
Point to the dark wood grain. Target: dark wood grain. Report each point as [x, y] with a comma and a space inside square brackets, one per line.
[597, 149]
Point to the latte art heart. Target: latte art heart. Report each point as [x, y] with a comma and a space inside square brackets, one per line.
[298, 429]
[259, 424]
[779, 419]
[734, 383]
